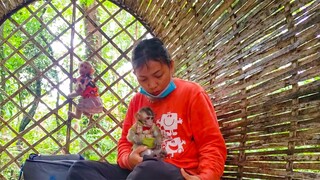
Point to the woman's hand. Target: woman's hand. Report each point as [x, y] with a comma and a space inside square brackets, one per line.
[188, 176]
[134, 157]
[74, 80]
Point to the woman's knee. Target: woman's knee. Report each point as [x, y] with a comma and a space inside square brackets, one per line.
[155, 169]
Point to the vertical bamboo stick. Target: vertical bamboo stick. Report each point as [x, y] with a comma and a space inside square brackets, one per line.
[71, 71]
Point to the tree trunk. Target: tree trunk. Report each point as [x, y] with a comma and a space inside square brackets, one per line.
[26, 119]
[93, 39]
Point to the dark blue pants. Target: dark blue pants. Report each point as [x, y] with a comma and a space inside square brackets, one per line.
[150, 168]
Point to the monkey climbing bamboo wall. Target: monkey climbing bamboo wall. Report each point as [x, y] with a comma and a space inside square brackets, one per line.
[258, 60]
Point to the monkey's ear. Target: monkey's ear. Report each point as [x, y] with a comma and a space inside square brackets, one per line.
[137, 116]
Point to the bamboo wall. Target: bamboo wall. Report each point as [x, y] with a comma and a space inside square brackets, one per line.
[260, 63]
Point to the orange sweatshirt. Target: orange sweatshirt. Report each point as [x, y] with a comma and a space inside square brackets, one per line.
[193, 140]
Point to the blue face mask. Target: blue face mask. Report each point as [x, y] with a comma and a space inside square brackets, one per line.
[171, 86]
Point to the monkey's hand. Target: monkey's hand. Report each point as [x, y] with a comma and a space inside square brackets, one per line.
[137, 139]
[163, 153]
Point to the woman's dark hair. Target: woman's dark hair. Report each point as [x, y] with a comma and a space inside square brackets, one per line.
[149, 49]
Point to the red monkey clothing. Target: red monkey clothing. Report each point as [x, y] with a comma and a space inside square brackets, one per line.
[90, 103]
[192, 138]
[90, 91]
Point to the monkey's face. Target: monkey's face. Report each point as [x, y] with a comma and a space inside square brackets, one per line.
[146, 119]
[84, 69]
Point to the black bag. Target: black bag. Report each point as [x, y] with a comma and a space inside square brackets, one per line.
[48, 167]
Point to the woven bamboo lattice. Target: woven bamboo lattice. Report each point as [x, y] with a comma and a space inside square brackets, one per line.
[258, 60]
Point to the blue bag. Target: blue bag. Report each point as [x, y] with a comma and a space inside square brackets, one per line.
[48, 167]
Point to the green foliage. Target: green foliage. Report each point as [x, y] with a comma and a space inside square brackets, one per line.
[86, 3]
[35, 52]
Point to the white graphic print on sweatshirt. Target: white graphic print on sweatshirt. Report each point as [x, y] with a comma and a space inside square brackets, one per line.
[169, 125]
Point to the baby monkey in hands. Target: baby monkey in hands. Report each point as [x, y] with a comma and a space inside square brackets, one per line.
[145, 132]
